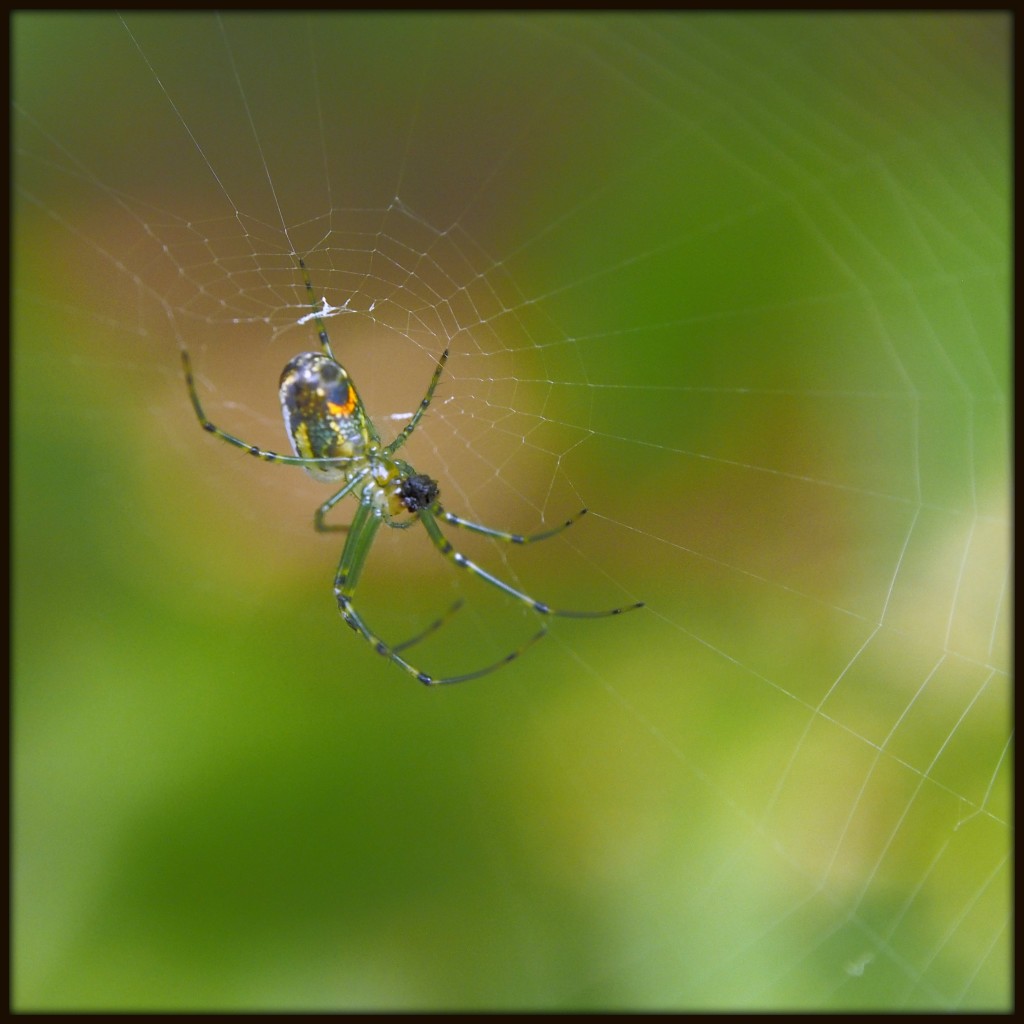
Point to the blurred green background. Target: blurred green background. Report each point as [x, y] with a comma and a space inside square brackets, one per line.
[737, 284]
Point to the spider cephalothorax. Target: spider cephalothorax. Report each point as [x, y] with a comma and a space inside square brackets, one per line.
[418, 492]
[335, 440]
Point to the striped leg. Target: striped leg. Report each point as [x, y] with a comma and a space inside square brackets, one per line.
[361, 533]
[444, 546]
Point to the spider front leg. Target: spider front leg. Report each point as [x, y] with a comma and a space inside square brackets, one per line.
[360, 539]
[432, 628]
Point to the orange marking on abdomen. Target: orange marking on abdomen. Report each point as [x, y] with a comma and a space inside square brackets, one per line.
[347, 408]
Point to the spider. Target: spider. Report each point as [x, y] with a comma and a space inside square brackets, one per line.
[335, 440]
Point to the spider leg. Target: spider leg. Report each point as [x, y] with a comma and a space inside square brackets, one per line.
[321, 330]
[259, 453]
[325, 342]
[360, 539]
[418, 415]
[444, 546]
[512, 538]
[501, 662]
[318, 518]
[432, 628]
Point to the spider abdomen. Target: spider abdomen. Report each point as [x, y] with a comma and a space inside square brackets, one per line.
[322, 414]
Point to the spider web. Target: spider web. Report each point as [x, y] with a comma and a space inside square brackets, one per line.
[737, 285]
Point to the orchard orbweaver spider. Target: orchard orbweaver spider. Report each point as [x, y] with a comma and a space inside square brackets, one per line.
[334, 440]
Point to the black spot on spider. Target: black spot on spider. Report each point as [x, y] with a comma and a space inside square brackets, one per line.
[418, 492]
[330, 372]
